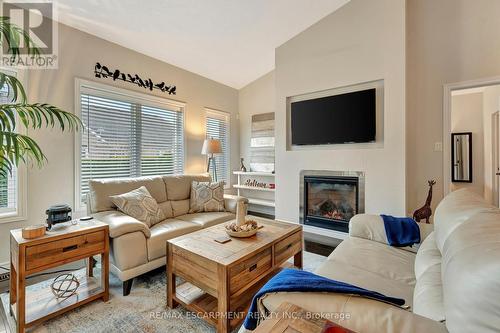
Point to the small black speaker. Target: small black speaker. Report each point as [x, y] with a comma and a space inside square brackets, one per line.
[57, 214]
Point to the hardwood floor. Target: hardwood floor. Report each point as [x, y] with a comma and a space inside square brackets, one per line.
[318, 248]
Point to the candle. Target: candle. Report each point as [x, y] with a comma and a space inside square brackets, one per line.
[241, 212]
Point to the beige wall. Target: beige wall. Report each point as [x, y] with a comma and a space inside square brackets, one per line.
[256, 97]
[78, 52]
[447, 41]
[363, 41]
[467, 116]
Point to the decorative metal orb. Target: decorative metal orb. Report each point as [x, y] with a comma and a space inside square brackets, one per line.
[65, 285]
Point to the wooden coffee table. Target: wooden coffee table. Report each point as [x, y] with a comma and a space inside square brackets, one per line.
[221, 279]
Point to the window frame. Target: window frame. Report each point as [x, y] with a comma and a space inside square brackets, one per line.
[226, 116]
[108, 91]
[20, 214]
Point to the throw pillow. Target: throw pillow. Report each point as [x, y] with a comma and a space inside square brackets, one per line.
[140, 205]
[206, 197]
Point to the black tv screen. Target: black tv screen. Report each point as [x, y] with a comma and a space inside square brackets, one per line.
[344, 118]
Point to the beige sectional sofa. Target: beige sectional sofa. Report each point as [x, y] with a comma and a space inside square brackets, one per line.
[450, 284]
[136, 248]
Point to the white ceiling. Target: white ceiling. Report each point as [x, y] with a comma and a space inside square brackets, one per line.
[229, 41]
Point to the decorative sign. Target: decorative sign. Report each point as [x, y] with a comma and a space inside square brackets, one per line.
[255, 183]
[101, 71]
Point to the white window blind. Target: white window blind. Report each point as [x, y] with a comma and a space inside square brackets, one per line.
[217, 127]
[8, 185]
[128, 137]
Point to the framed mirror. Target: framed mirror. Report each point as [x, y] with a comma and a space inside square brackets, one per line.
[461, 157]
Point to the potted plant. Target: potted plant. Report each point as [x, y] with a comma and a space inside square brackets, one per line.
[16, 147]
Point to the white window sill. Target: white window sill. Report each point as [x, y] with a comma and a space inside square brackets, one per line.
[12, 217]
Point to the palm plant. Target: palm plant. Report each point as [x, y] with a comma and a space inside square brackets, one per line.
[14, 146]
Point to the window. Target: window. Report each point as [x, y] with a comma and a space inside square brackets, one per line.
[8, 185]
[217, 127]
[12, 187]
[128, 134]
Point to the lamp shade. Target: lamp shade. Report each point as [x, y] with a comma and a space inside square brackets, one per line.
[211, 146]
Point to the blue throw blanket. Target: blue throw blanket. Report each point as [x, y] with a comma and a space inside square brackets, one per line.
[290, 280]
[401, 231]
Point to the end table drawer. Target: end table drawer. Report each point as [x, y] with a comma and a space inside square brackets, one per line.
[47, 253]
[244, 272]
[287, 247]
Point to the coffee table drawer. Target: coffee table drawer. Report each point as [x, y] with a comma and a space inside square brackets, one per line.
[246, 271]
[287, 247]
[43, 254]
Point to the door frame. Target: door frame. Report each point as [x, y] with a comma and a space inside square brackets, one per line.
[447, 91]
[495, 134]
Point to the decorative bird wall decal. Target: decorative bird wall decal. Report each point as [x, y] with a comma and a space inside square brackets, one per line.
[104, 72]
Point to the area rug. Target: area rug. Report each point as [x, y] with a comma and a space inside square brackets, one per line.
[142, 311]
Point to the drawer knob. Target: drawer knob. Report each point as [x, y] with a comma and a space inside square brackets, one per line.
[254, 266]
[288, 246]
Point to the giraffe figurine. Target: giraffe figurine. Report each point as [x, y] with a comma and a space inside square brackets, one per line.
[425, 211]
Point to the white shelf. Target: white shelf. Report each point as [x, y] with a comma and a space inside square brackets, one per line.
[251, 173]
[255, 188]
[261, 202]
[262, 197]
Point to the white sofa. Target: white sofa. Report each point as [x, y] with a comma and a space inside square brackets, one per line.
[136, 248]
[451, 284]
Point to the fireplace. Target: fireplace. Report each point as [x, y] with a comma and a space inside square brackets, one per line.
[329, 199]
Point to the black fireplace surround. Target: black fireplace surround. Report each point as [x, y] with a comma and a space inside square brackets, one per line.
[330, 201]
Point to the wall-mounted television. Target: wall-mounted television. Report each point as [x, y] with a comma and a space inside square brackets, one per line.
[344, 118]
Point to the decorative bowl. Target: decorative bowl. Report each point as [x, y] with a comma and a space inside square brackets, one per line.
[242, 234]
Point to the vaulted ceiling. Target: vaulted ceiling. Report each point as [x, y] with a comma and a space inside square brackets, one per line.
[229, 41]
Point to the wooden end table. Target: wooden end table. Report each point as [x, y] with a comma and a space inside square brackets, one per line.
[64, 244]
[292, 318]
[221, 279]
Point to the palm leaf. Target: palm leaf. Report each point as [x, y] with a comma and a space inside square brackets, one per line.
[37, 115]
[13, 35]
[18, 147]
[15, 147]
[18, 93]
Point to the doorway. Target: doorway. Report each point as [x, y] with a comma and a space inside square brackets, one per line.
[472, 114]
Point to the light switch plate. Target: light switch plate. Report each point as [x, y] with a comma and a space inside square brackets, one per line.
[438, 146]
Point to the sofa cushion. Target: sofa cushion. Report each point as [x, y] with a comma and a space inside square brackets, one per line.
[358, 314]
[454, 209]
[121, 224]
[139, 204]
[373, 266]
[179, 186]
[372, 227]
[471, 274]
[207, 219]
[428, 294]
[101, 189]
[180, 207]
[428, 255]
[167, 209]
[163, 231]
[129, 251]
[206, 197]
